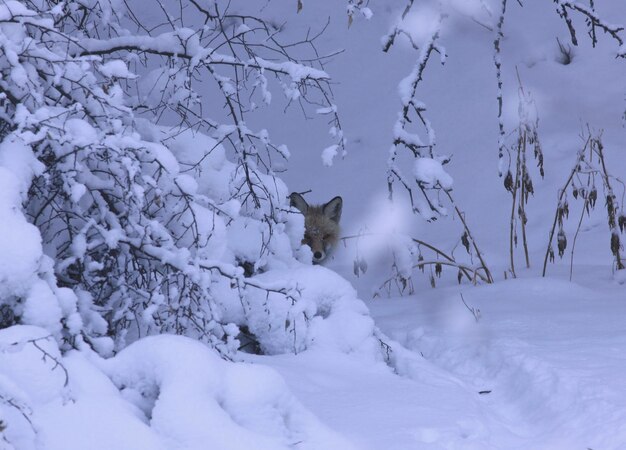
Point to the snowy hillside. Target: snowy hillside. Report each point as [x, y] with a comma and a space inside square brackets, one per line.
[154, 289]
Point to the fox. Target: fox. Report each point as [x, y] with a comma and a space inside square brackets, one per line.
[321, 224]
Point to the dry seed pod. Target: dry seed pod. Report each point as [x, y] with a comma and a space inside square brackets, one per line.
[438, 269]
[420, 266]
[559, 214]
[609, 204]
[539, 157]
[593, 196]
[561, 240]
[465, 241]
[508, 181]
[621, 221]
[615, 244]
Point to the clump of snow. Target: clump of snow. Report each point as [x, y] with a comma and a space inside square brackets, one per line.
[328, 155]
[80, 132]
[18, 158]
[421, 23]
[431, 173]
[12, 8]
[187, 184]
[205, 159]
[245, 238]
[115, 68]
[41, 307]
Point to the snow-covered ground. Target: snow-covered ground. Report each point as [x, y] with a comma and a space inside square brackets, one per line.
[526, 363]
[541, 368]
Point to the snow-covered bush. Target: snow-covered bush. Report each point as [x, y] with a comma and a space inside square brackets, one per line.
[154, 209]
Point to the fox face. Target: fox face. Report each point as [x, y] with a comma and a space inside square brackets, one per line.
[321, 224]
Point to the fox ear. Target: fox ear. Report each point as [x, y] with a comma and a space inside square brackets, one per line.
[299, 202]
[332, 209]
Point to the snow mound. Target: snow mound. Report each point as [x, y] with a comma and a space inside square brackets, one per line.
[326, 314]
[161, 392]
[194, 399]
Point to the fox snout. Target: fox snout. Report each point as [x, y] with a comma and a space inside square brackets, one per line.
[321, 224]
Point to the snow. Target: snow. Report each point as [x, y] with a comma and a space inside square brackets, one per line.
[10, 9]
[41, 307]
[430, 172]
[162, 392]
[80, 132]
[21, 247]
[116, 68]
[328, 155]
[527, 363]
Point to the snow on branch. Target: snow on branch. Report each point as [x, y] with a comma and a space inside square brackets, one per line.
[173, 45]
[426, 183]
[497, 42]
[593, 21]
[404, 134]
[360, 7]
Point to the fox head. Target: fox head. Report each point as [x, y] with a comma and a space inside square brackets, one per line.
[321, 224]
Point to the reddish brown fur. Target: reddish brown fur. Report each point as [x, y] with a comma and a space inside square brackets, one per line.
[321, 224]
[322, 233]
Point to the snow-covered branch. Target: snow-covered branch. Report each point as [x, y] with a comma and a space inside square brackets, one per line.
[593, 21]
[412, 109]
